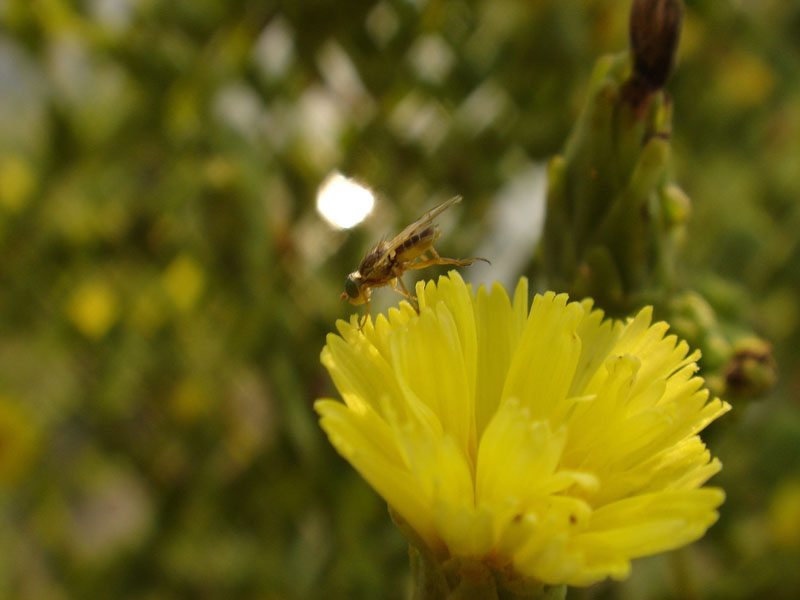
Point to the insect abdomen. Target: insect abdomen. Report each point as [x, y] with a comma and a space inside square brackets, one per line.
[415, 245]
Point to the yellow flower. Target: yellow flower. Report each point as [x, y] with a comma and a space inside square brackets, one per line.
[548, 442]
[19, 441]
[93, 308]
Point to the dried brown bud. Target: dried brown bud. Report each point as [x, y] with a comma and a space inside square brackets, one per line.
[751, 370]
[655, 28]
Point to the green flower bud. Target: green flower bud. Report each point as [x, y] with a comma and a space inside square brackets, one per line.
[677, 205]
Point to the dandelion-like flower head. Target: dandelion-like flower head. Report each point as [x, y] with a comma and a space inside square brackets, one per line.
[548, 441]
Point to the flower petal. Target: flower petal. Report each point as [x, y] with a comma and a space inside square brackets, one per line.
[541, 370]
[369, 445]
[497, 335]
[430, 341]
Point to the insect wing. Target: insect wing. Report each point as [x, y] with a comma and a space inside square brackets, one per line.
[373, 258]
[423, 222]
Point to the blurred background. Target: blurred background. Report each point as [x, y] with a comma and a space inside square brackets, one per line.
[167, 279]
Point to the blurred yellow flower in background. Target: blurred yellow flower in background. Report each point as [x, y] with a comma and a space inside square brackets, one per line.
[19, 440]
[17, 183]
[783, 516]
[93, 308]
[550, 442]
[183, 282]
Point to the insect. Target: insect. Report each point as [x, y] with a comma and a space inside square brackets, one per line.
[411, 249]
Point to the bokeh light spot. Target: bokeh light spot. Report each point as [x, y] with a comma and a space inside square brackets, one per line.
[343, 202]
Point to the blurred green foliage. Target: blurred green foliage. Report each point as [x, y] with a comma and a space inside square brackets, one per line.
[166, 284]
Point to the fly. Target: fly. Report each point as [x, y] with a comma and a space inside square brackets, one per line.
[411, 249]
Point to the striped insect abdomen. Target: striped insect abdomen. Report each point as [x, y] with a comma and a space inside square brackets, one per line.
[415, 245]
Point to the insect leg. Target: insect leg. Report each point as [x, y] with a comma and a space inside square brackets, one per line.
[404, 291]
[452, 261]
[439, 260]
[366, 314]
